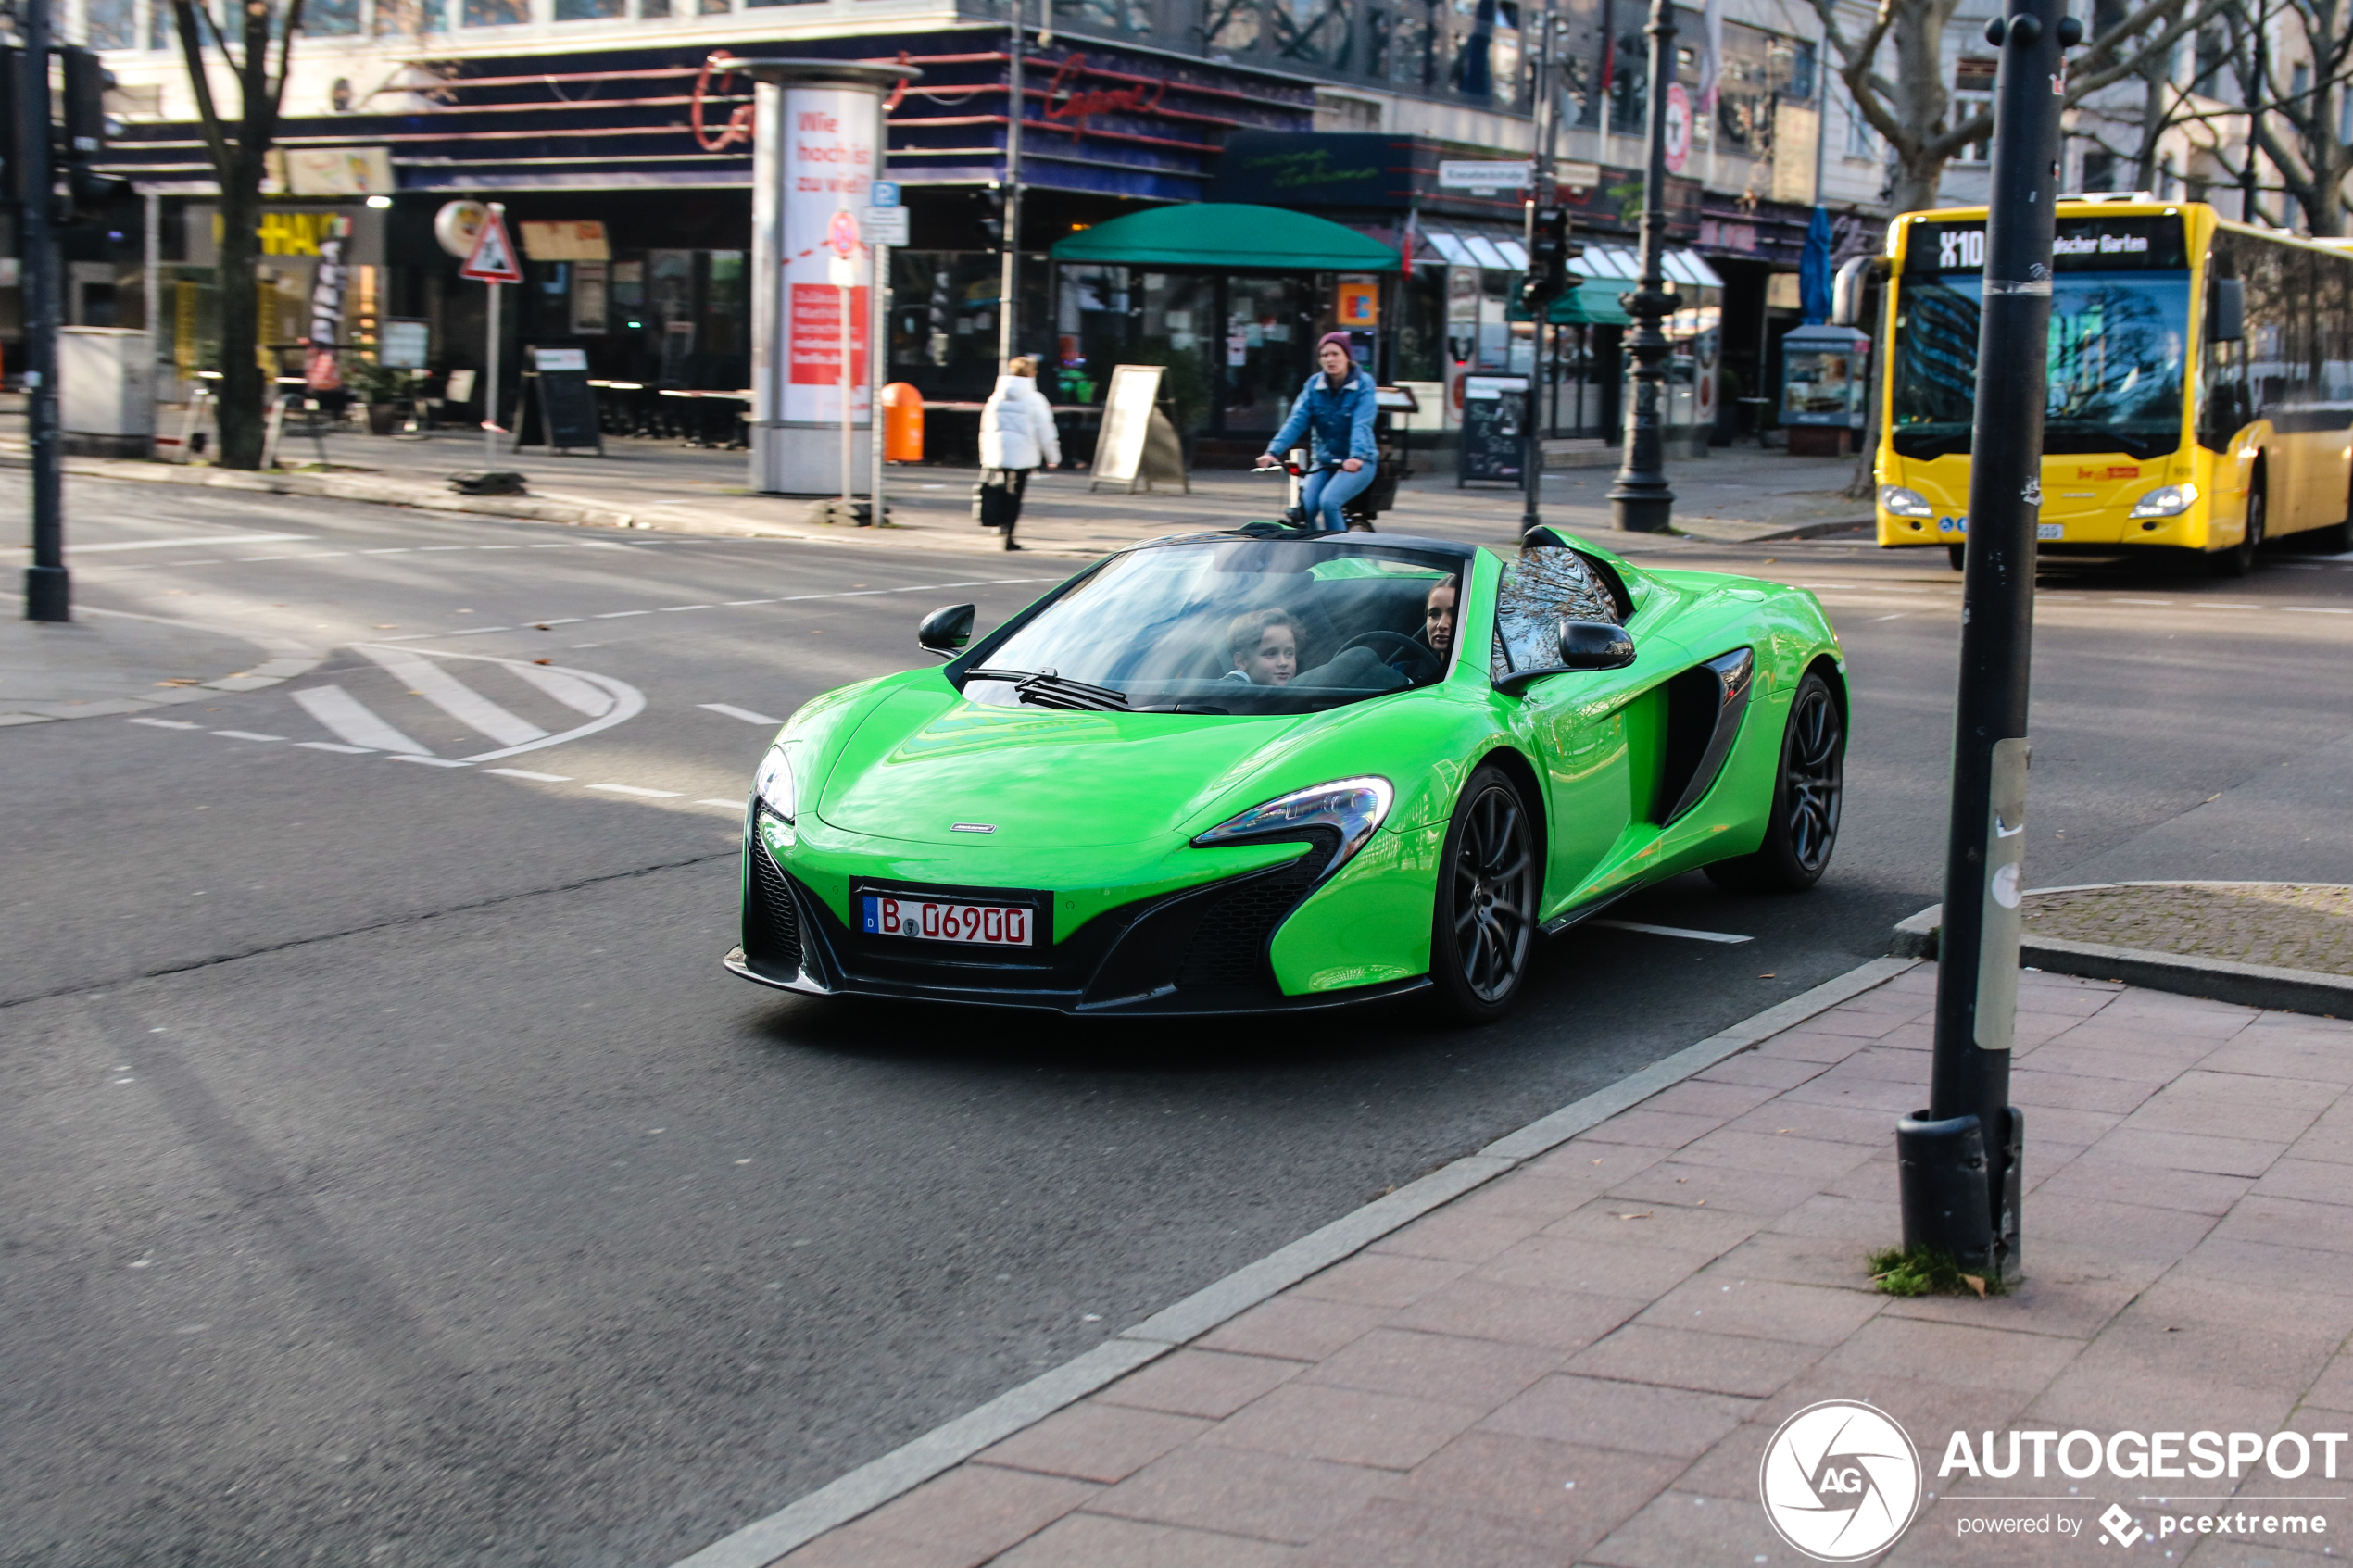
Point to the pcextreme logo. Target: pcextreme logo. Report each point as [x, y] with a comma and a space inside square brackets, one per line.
[1839, 1480]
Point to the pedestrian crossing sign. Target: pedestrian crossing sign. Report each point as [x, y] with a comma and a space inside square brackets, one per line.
[493, 259]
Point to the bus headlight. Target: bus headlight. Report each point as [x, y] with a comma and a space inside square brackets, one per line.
[1904, 502]
[2166, 500]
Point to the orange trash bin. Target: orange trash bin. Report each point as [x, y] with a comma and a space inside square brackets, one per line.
[902, 423]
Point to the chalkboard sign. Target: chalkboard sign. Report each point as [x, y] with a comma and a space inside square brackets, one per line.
[1136, 447]
[1494, 430]
[559, 406]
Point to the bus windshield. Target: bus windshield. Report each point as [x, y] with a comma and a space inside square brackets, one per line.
[2119, 342]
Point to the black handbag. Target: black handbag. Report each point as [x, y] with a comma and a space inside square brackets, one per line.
[993, 498]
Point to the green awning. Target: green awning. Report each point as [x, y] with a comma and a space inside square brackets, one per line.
[1592, 302]
[1230, 236]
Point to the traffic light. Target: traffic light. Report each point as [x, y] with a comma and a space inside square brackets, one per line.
[85, 112]
[1549, 253]
[989, 202]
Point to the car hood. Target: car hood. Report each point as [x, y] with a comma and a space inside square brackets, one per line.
[926, 761]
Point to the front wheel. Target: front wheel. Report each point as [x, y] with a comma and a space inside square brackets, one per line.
[1807, 797]
[1484, 927]
[2239, 560]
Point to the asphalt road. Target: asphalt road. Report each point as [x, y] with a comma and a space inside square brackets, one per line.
[389, 1174]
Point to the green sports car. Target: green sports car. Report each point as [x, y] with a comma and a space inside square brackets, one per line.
[1268, 768]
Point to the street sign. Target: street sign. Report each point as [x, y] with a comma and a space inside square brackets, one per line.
[884, 225]
[493, 257]
[883, 192]
[1576, 176]
[1462, 174]
[841, 232]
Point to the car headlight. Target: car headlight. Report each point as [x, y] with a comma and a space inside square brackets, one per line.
[2166, 500]
[1904, 502]
[773, 787]
[1351, 808]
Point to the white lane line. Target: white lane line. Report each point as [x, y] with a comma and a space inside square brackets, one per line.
[241, 558]
[738, 604]
[477, 630]
[730, 805]
[2123, 601]
[563, 546]
[403, 551]
[647, 794]
[166, 723]
[247, 735]
[453, 696]
[200, 542]
[497, 546]
[429, 549]
[580, 696]
[617, 614]
[331, 746]
[732, 711]
[430, 761]
[2315, 609]
[558, 620]
[672, 609]
[527, 774]
[1897, 616]
[353, 721]
[2203, 605]
[1670, 931]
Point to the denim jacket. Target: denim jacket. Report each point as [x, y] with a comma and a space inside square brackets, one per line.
[1343, 421]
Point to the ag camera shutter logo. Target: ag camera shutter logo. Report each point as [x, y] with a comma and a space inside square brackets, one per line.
[1839, 1480]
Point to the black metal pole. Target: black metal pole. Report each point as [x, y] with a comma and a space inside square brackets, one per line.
[1639, 501]
[1959, 1158]
[48, 592]
[1540, 193]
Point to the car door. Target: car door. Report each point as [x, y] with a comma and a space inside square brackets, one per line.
[1575, 720]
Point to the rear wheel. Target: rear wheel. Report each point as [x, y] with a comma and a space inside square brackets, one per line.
[1485, 922]
[2239, 560]
[1806, 796]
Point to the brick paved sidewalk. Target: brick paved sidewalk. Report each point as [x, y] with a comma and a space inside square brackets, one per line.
[1582, 1360]
[2287, 926]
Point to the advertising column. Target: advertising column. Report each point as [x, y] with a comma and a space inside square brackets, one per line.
[818, 143]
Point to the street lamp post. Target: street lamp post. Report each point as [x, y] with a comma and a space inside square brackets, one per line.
[1008, 260]
[1537, 296]
[48, 591]
[1959, 1160]
[1639, 500]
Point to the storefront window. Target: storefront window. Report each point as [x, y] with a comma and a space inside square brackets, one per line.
[113, 24]
[1264, 359]
[497, 13]
[413, 17]
[588, 10]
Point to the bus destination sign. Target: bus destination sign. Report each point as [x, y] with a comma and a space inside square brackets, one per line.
[2081, 244]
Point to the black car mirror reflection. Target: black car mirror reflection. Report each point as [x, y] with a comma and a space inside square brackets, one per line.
[1584, 645]
[946, 630]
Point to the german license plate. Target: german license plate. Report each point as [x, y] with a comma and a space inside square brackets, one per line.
[930, 920]
[2050, 531]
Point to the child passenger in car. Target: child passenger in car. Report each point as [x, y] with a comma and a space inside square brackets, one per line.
[1264, 644]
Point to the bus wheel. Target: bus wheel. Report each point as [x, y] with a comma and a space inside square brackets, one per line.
[1958, 555]
[2239, 560]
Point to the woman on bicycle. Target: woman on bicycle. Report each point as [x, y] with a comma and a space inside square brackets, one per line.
[1338, 405]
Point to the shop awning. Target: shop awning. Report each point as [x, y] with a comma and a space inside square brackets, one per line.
[1231, 236]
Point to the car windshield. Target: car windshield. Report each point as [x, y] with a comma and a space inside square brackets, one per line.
[2118, 341]
[1232, 626]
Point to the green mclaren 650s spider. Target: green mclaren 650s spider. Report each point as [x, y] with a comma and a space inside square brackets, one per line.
[1268, 769]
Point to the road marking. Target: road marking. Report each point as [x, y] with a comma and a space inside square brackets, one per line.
[1670, 931]
[247, 735]
[732, 711]
[401, 551]
[2140, 601]
[1897, 616]
[477, 630]
[580, 696]
[455, 697]
[2315, 609]
[431, 761]
[527, 774]
[672, 609]
[497, 546]
[429, 549]
[354, 721]
[268, 558]
[558, 620]
[202, 543]
[166, 723]
[730, 805]
[738, 604]
[634, 789]
[331, 746]
[617, 614]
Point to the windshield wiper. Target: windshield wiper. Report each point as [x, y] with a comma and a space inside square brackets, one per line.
[1045, 688]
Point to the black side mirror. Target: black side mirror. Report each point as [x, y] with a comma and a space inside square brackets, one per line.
[2226, 311]
[1585, 645]
[946, 630]
[1595, 645]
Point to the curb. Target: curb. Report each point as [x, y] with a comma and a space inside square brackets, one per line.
[2221, 980]
[874, 1483]
[1811, 530]
[289, 659]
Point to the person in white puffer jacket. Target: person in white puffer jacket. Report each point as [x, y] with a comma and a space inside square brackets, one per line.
[1016, 435]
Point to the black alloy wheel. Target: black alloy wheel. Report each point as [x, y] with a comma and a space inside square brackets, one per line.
[1487, 884]
[2239, 560]
[1806, 800]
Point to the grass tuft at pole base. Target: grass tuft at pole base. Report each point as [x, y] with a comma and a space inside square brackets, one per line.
[1929, 1272]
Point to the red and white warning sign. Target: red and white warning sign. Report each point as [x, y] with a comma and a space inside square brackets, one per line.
[493, 260]
[841, 233]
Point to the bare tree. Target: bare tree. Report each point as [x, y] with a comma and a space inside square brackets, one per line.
[240, 151]
[1910, 109]
[2312, 44]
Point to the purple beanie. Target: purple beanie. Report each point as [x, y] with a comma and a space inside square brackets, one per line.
[1346, 342]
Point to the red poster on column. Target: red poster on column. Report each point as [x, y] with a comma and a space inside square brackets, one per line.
[816, 335]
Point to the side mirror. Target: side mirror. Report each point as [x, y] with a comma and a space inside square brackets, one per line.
[945, 631]
[1846, 290]
[1585, 645]
[2226, 311]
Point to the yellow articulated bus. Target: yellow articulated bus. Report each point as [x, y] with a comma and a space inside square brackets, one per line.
[2200, 393]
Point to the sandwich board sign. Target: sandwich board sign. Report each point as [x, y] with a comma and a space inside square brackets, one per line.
[493, 259]
[1138, 446]
[559, 406]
